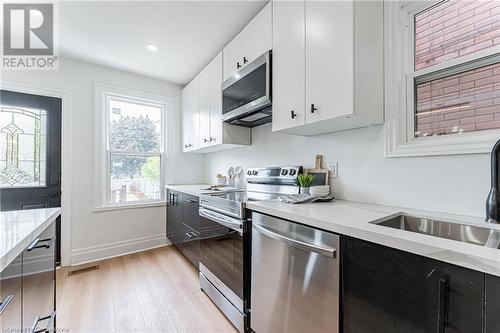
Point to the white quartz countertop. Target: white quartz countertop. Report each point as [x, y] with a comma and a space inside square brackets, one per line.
[19, 228]
[196, 189]
[356, 220]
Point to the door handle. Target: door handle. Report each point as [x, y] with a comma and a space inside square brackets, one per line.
[48, 328]
[245, 60]
[50, 195]
[313, 108]
[326, 251]
[293, 114]
[443, 295]
[238, 65]
[212, 139]
[36, 243]
[5, 303]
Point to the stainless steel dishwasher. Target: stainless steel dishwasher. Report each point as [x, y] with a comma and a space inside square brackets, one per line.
[295, 277]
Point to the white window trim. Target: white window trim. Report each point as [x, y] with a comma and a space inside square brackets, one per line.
[102, 179]
[399, 101]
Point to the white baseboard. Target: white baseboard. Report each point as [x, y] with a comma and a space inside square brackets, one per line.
[115, 249]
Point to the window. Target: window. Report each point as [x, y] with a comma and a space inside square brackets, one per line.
[450, 57]
[134, 146]
[23, 140]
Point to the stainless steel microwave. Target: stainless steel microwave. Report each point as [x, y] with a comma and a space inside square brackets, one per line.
[246, 96]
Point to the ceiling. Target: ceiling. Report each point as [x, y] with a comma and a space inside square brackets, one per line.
[188, 33]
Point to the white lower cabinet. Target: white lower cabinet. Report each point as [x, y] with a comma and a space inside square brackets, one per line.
[202, 112]
[321, 53]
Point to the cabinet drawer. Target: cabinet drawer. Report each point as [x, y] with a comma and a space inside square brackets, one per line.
[10, 296]
[191, 245]
[190, 215]
[39, 282]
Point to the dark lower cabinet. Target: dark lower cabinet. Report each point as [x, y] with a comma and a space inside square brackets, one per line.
[492, 304]
[390, 291]
[11, 296]
[183, 224]
[175, 232]
[39, 282]
[27, 287]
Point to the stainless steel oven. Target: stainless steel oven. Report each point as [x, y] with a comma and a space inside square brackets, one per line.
[246, 96]
[222, 270]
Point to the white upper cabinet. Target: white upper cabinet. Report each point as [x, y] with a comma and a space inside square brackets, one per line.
[288, 64]
[202, 112]
[254, 40]
[191, 116]
[319, 48]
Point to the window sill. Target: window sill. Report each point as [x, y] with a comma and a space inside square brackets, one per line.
[474, 143]
[128, 206]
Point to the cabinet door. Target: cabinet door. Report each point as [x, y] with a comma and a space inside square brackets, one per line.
[190, 214]
[191, 245]
[39, 282]
[10, 296]
[387, 290]
[257, 36]
[329, 59]
[191, 115]
[205, 82]
[492, 304]
[288, 64]
[174, 219]
[233, 56]
[215, 69]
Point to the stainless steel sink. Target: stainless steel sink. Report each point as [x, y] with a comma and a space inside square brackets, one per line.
[455, 231]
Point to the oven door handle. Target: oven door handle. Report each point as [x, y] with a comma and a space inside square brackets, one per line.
[226, 221]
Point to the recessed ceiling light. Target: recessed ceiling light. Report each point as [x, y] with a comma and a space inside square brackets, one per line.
[152, 47]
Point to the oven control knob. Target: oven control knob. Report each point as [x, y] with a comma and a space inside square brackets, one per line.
[292, 172]
[249, 172]
[254, 173]
[284, 172]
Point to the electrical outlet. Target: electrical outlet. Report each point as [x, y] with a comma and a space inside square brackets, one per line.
[334, 168]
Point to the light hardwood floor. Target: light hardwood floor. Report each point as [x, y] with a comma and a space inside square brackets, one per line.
[152, 291]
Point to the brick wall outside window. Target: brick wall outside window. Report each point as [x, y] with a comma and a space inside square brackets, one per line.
[455, 28]
[464, 102]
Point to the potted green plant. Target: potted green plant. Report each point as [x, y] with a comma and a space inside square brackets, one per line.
[305, 181]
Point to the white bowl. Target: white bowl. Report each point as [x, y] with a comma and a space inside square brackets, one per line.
[314, 191]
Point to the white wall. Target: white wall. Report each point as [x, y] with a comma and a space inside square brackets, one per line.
[455, 184]
[99, 234]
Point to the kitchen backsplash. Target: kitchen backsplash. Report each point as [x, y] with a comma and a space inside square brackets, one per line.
[454, 184]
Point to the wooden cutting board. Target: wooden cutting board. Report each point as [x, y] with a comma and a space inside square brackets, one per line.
[320, 174]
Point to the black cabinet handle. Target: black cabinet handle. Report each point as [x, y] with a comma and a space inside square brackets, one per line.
[238, 65]
[50, 195]
[293, 114]
[36, 243]
[313, 109]
[205, 140]
[212, 139]
[443, 294]
[245, 60]
[5, 303]
[50, 323]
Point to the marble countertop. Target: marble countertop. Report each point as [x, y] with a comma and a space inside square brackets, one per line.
[19, 228]
[197, 189]
[357, 220]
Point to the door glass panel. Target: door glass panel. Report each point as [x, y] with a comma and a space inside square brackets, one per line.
[23, 146]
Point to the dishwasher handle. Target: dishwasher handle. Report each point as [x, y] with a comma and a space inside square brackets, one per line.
[323, 250]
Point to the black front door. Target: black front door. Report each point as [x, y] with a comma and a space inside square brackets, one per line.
[30, 152]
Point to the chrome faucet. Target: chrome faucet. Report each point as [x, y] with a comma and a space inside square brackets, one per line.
[493, 201]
